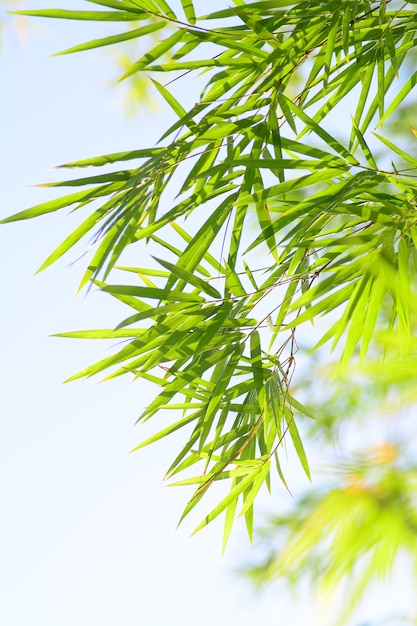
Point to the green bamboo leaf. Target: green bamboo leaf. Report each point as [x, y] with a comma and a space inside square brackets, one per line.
[169, 98]
[133, 14]
[373, 107]
[231, 43]
[257, 363]
[184, 378]
[233, 284]
[320, 132]
[252, 492]
[282, 101]
[404, 295]
[296, 439]
[188, 277]
[108, 333]
[124, 176]
[403, 93]
[166, 8]
[223, 504]
[374, 307]
[96, 368]
[368, 154]
[219, 321]
[167, 431]
[390, 43]
[254, 23]
[227, 371]
[198, 480]
[159, 311]
[143, 271]
[324, 306]
[189, 11]
[381, 82]
[108, 41]
[115, 157]
[60, 203]
[236, 238]
[154, 293]
[236, 437]
[229, 519]
[356, 312]
[366, 80]
[302, 164]
[155, 53]
[264, 217]
[346, 18]
[133, 303]
[250, 276]
[119, 5]
[301, 408]
[265, 5]
[286, 187]
[72, 239]
[285, 307]
[330, 45]
[115, 238]
[197, 249]
[404, 155]
[207, 256]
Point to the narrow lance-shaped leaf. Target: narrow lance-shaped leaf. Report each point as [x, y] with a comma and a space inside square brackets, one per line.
[133, 14]
[296, 439]
[188, 277]
[154, 54]
[189, 11]
[233, 495]
[112, 39]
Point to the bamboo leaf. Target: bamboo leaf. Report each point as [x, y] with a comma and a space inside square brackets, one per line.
[404, 155]
[155, 53]
[173, 103]
[153, 293]
[188, 277]
[189, 11]
[296, 439]
[409, 84]
[232, 496]
[132, 14]
[108, 41]
[60, 203]
[364, 145]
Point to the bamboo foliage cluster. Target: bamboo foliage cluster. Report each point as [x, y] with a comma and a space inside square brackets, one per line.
[349, 533]
[264, 219]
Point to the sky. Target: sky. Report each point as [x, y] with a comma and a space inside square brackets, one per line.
[87, 531]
